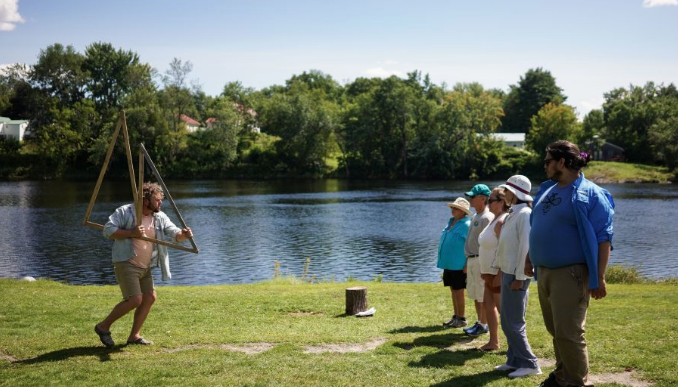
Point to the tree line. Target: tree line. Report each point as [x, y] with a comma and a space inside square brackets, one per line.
[311, 126]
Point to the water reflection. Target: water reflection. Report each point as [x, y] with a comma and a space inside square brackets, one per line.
[357, 229]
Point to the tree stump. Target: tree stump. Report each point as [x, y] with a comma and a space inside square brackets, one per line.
[356, 300]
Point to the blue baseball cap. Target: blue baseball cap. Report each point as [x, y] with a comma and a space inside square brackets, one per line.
[479, 189]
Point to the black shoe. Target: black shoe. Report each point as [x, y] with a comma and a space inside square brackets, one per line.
[550, 381]
[105, 337]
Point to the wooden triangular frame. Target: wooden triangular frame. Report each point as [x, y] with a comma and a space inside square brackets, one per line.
[137, 191]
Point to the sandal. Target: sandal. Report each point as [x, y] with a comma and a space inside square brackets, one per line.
[140, 341]
[105, 337]
[485, 349]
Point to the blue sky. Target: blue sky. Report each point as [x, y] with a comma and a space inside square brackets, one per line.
[590, 46]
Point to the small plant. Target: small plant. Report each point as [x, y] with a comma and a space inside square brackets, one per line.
[378, 278]
[276, 269]
[618, 274]
[304, 273]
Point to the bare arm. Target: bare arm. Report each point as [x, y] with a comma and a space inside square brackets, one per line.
[184, 234]
[603, 259]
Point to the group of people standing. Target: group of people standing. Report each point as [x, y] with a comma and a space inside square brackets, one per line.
[561, 237]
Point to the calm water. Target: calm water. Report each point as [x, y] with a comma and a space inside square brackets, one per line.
[347, 229]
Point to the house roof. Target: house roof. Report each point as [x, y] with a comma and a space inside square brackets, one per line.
[6, 120]
[510, 137]
[188, 120]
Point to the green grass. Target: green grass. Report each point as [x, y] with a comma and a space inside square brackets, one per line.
[47, 338]
[614, 172]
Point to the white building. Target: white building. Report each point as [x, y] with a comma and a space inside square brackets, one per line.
[13, 128]
[513, 140]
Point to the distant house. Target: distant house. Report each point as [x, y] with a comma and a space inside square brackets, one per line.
[191, 124]
[16, 129]
[210, 122]
[513, 140]
[242, 110]
[606, 152]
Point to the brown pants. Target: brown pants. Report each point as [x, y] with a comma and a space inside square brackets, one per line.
[564, 299]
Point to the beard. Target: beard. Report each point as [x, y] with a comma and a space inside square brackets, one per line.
[556, 175]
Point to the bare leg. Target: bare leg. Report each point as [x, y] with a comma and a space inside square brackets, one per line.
[492, 317]
[141, 313]
[480, 311]
[121, 309]
[459, 302]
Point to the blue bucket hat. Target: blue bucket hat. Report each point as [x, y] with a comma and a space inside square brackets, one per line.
[479, 189]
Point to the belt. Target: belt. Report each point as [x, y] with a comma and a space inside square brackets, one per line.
[472, 256]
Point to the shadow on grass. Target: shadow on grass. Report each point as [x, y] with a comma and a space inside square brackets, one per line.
[413, 329]
[104, 354]
[474, 380]
[447, 355]
[437, 341]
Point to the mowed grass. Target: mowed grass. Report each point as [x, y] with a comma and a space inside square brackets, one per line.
[616, 172]
[296, 334]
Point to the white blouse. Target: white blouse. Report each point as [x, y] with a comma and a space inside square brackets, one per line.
[488, 247]
[514, 241]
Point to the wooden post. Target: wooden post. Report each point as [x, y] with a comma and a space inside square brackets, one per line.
[356, 300]
[139, 202]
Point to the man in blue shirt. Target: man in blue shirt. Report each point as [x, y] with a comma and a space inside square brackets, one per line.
[570, 244]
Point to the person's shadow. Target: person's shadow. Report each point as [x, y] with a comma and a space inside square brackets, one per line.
[474, 380]
[103, 353]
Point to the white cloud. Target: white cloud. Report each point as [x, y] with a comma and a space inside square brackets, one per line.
[380, 72]
[658, 3]
[9, 15]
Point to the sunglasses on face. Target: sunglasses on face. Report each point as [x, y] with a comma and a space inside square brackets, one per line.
[494, 200]
[547, 162]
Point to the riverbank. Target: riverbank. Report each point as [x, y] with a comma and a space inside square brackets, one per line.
[288, 333]
[615, 172]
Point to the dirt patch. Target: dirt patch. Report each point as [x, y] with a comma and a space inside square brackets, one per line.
[345, 348]
[305, 314]
[4, 356]
[247, 348]
[624, 378]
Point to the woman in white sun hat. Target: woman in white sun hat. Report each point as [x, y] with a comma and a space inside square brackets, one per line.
[512, 251]
[451, 258]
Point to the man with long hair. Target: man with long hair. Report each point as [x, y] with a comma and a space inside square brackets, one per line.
[570, 244]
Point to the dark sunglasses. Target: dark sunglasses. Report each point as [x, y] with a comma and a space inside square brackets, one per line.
[547, 162]
[494, 200]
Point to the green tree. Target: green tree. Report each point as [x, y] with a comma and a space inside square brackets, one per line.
[553, 122]
[534, 90]
[109, 76]
[629, 115]
[59, 74]
[663, 132]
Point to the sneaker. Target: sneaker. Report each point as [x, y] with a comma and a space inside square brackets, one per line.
[504, 367]
[472, 327]
[459, 322]
[523, 372]
[449, 323]
[479, 330]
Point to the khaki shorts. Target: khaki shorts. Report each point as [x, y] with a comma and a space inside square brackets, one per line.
[133, 280]
[475, 286]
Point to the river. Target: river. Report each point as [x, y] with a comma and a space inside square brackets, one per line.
[322, 229]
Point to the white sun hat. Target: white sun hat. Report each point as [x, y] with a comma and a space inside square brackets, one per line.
[462, 204]
[520, 186]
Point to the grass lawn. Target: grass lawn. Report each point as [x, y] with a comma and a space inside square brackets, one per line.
[615, 172]
[279, 333]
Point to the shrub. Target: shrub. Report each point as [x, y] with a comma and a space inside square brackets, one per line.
[618, 274]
